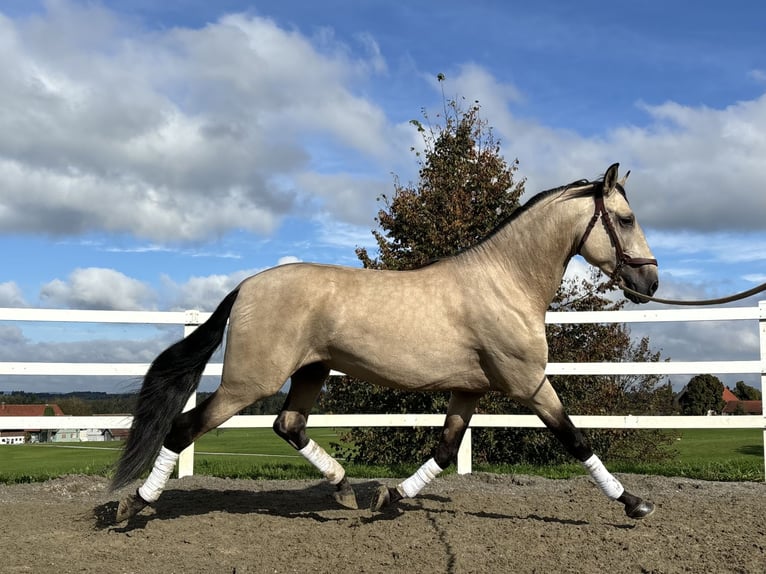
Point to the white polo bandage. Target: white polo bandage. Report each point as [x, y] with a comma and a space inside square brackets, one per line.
[327, 465]
[418, 481]
[608, 484]
[163, 467]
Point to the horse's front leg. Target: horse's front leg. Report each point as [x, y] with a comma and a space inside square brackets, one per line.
[306, 384]
[459, 412]
[546, 404]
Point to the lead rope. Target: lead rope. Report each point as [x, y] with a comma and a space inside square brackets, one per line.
[719, 301]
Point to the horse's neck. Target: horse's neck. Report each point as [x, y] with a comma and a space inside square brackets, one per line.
[533, 250]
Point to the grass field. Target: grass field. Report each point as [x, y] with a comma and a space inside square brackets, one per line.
[731, 454]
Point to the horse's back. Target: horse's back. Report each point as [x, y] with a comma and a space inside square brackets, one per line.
[395, 328]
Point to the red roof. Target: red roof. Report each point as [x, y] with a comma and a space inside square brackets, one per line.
[745, 407]
[28, 410]
[728, 395]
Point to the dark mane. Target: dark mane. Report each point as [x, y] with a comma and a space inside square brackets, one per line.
[589, 188]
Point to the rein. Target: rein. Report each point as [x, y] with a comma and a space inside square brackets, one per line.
[719, 301]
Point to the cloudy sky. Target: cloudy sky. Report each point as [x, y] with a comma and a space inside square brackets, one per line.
[153, 154]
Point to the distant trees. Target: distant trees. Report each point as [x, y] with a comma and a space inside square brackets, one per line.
[703, 393]
[745, 392]
[465, 190]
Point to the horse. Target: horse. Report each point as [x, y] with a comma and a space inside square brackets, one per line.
[469, 323]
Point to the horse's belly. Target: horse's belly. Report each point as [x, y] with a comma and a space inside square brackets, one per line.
[417, 371]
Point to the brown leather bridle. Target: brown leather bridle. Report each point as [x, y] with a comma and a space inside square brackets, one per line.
[622, 258]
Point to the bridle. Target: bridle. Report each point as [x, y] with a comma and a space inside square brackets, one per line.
[623, 258]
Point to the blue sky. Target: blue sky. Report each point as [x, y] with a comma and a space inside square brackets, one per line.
[153, 154]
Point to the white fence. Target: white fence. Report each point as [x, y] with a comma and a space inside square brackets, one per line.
[191, 319]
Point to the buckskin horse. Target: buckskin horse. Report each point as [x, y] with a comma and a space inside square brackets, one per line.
[468, 324]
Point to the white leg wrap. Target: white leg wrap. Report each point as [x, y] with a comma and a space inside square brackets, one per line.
[425, 474]
[163, 467]
[327, 465]
[608, 484]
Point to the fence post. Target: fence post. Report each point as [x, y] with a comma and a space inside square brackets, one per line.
[464, 454]
[186, 460]
[762, 335]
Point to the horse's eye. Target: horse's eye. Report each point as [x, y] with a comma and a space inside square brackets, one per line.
[628, 220]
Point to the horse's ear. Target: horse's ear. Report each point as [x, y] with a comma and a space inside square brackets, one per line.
[610, 178]
[624, 179]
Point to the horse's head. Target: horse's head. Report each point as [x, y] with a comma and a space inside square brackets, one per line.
[618, 246]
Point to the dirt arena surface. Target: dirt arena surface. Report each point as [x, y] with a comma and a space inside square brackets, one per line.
[461, 524]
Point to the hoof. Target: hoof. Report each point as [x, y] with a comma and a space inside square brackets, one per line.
[129, 507]
[346, 498]
[642, 509]
[381, 499]
[385, 497]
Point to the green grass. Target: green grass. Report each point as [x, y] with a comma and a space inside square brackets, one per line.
[724, 455]
[37, 462]
[721, 455]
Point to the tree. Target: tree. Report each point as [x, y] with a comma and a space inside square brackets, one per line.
[75, 406]
[465, 190]
[703, 393]
[746, 392]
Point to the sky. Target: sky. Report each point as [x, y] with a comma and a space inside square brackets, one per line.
[154, 154]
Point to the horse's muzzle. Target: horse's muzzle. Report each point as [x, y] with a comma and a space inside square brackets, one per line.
[643, 280]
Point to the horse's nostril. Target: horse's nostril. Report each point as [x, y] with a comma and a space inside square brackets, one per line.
[653, 288]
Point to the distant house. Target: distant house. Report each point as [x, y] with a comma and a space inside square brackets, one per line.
[96, 435]
[33, 435]
[20, 436]
[12, 437]
[734, 406]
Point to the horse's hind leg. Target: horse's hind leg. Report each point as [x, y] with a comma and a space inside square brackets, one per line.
[461, 407]
[546, 404]
[187, 427]
[305, 386]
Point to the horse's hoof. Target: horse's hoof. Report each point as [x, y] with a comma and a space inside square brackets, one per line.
[381, 499]
[642, 509]
[129, 507]
[346, 498]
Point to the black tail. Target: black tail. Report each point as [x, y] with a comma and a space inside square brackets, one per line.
[172, 378]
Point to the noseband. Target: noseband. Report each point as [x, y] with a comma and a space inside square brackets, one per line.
[622, 258]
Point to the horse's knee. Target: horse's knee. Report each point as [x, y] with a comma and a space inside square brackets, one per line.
[291, 426]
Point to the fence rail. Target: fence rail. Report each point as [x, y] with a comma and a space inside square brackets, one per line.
[191, 319]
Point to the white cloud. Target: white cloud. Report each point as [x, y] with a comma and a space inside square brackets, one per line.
[287, 259]
[179, 134]
[202, 293]
[694, 168]
[98, 288]
[11, 295]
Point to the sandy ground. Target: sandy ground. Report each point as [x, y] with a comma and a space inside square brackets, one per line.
[460, 524]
